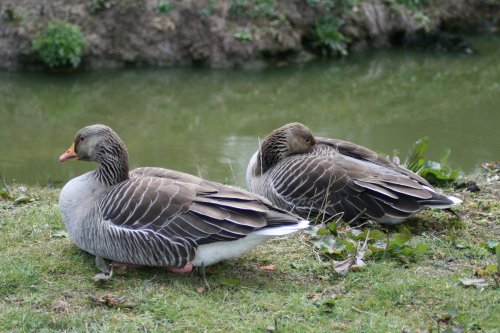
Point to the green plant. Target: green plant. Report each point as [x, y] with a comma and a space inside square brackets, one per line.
[337, 242]
[99, 5]
[411, 3]
[164, 6]
[209, 9]
[60, 44]
[243, 35]
[326, 37]
[327, 4]
[238, 7]
[265, 8]
[435, 172]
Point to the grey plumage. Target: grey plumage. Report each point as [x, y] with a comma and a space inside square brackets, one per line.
[159, 217]
[315, 176]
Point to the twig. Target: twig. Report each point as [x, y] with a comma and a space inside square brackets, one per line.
[361, 213]
[434, 320]
[361, 311]
[232, 171]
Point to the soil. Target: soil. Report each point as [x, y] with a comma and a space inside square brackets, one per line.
[234, 33]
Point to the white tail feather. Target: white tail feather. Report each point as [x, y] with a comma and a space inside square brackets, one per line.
[283, 230]
[456, 201]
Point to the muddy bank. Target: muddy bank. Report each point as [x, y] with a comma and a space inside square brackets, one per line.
[237, 32]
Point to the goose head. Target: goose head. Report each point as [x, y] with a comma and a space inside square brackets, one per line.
[99, 143]
[290, 139]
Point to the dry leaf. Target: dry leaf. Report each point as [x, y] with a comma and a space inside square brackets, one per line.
[479, 272]
[341, 267]
[112, 302]
[267, 268]
[312, 296]
[201, 289]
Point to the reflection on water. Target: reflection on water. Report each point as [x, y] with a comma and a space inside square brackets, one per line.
[208, 122]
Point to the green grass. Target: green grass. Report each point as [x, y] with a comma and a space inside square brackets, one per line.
[46, 282]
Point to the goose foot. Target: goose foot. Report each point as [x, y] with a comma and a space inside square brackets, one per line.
[183, 270]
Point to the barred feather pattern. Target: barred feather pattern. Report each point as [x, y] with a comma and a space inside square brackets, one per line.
[338, 178]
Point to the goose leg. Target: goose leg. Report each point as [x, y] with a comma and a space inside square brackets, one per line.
[105, 268]
[103, 265]
[203, 274]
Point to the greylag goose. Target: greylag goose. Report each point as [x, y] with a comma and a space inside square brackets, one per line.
[158, 217]
[322, 177]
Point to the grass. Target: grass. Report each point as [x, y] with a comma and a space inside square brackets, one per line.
[46, 282]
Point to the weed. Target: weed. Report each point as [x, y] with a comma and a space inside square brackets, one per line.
[412, 3]
[209, 9]
[326, 38]
[238, 7]
[265, 8]
[327, 4]
[438, 173]
[60, 44]
[164, 6]
[243, 35]
[254, 9]
[100, 5]
[11, 15]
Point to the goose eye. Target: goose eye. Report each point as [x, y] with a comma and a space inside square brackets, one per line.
[82, 138]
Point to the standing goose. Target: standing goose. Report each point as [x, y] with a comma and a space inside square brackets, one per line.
[160, 217]
[314, 176]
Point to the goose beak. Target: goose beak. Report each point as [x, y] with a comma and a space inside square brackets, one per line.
[69, 154]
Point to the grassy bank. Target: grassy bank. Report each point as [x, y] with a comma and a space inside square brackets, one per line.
[46, 281]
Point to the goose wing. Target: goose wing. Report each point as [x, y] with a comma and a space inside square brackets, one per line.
[327, 181]
[362, 153]
[174, 213]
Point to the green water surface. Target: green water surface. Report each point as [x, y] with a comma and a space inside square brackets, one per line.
[207, 121]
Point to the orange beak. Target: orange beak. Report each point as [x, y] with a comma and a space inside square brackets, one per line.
[69, 154]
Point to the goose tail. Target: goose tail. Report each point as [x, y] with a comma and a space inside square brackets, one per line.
[441, 201]
[284, 229]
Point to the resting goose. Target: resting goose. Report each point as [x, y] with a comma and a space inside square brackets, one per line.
[314, 176]
[159, 217]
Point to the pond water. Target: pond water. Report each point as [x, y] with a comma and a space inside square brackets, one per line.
[207, 122]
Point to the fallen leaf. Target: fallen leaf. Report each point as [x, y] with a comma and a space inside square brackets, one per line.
[479, 272]
[341, 267]
[480, 283]
[267, 268]
[201, 289]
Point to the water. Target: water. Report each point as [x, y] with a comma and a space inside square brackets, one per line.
[206, 122]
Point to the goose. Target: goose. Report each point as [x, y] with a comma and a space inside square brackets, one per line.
[314, 176]
[158, 217]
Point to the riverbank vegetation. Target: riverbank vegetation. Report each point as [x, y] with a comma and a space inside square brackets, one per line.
[233, 33]
[447, 280]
